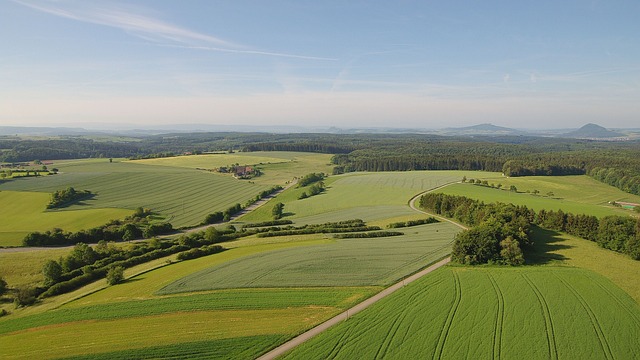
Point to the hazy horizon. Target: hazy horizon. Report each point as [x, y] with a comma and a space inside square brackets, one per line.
[357, 64]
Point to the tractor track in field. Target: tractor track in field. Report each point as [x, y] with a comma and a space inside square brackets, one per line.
[604, 344]
[444, 334]
[497, 335]
[551, 339]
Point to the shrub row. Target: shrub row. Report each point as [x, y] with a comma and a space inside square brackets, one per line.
[429, 220]
[374, 234]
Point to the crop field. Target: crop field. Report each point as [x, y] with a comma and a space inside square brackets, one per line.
[183, 196]
[24, 212]
[364, 192]
[25, 268]
[344, 262]
[572, 203]
[278, 167]
[481, 313]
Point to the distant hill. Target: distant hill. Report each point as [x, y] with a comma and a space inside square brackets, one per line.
[592, 131]
[41, 131]
[483, 129]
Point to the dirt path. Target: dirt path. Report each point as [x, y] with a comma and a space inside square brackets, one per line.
[280, 350]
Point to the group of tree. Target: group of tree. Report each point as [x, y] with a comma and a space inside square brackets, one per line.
[498, 229]
[138, 225]
[60, 198]
[429, 220]
[617, 233]
[223, 216]
[498, 233]
[310, 179]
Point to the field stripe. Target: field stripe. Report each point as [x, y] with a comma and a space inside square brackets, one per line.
[551, 339]
[452, 312]
[604, 344]
[497, 335]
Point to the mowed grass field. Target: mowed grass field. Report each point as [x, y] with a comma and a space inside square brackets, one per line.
[369, 196]
[278, 167]
[484, 313]
[574, 194]
[183, 196]
[24, 212]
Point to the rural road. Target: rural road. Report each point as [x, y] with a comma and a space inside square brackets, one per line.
[280, 350]
[350, 312]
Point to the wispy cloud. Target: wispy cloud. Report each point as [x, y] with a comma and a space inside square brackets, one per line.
[148, 28]
[124, 19]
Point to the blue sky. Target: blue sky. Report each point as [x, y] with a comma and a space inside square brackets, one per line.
[422, 64]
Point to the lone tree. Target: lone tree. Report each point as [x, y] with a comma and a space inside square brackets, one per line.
[115, 275]
[277, 211]
[52, 271]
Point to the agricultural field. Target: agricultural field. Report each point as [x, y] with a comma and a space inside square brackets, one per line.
[278, 167]
[261, 292]
[182, 196]
[480, 313]
[343, 262]
[24, 212]
[574, 194]
[368, 196]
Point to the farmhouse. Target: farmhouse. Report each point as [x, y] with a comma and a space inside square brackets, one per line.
[243, 171]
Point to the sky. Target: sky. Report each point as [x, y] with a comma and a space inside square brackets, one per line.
[414, 64]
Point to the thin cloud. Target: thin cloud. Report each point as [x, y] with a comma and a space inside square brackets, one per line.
[123, 19]
[151, 29]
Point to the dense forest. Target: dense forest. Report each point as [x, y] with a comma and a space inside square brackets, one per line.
[614, 163]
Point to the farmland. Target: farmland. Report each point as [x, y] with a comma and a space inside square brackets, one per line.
[263, 291]
[533, 313]
[574, 194]
[183, 196]
[24, 212]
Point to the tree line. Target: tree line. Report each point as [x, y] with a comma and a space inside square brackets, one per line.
[497, 222]
[138, 225]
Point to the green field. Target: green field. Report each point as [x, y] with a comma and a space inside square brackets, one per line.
[24, 212]
[278, 167]
[263, 291]
[483, 313]
[574, 194]
[183, 196]
[361, 194]
[345, 262]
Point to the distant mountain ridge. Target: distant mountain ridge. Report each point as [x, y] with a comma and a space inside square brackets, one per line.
[592, 131]
[483, 129]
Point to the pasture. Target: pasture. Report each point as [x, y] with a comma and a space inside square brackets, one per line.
[480, 313]
[24, 212]
[568, 201]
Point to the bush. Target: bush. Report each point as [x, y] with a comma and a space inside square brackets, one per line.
[25, 296]
[3, 286]
[115, 275]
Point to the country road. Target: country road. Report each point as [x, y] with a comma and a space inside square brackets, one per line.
[280, 350]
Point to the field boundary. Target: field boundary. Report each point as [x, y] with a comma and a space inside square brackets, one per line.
[280, 350]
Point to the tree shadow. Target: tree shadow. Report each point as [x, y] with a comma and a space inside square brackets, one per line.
[285, 214]
[546, 243]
